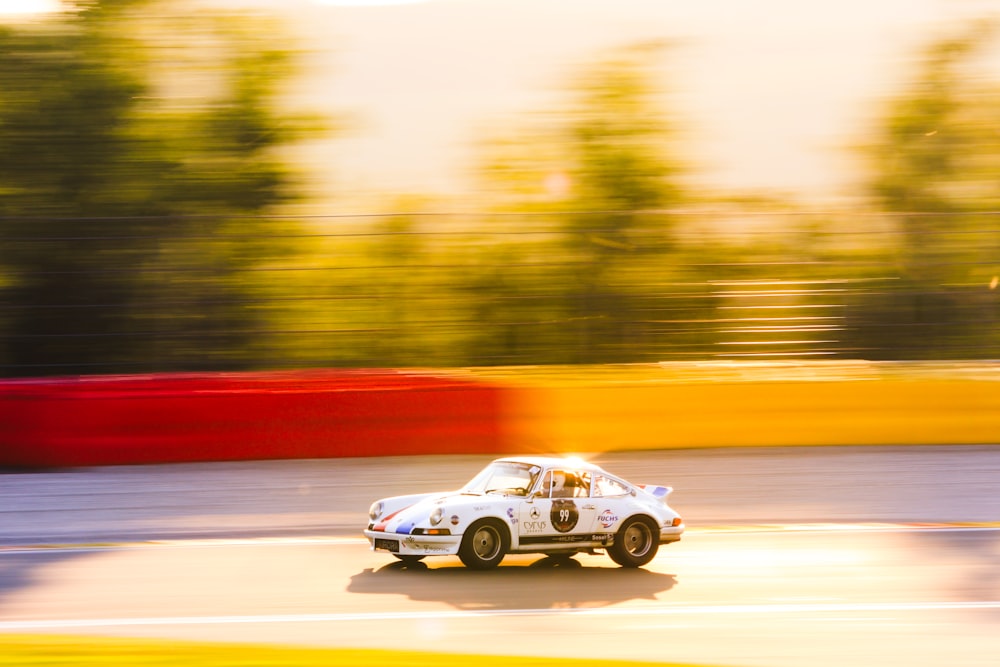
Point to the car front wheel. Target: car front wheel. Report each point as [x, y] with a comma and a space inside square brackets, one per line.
[484, 545]
[635, 544]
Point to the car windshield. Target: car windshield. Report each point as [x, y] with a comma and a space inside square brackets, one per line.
[505, 477]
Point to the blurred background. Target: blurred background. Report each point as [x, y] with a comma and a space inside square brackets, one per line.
[244, 185]
[502, 226]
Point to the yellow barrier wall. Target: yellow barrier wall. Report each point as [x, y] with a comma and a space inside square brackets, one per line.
[571, 418]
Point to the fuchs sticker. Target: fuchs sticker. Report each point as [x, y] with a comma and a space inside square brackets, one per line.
[608, 518]
[564, 515]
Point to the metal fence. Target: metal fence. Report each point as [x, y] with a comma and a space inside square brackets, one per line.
[109, 295]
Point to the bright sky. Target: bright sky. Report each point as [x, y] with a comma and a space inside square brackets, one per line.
[27, 6]
[769, 93]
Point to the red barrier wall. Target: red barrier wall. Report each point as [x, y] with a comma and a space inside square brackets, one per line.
[338, 413]
[218, 417]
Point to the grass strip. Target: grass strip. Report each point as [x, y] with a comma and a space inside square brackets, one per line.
[51, 650]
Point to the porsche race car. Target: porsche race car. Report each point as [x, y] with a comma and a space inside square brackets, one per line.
[547, 505]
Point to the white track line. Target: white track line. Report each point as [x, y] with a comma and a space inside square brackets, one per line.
[344, 540]
[754, 609]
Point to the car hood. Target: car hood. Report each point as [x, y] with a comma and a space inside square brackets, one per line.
[415, 511]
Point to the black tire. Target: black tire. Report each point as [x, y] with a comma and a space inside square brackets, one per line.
[409, 559]
[636, 542]
[484, 544]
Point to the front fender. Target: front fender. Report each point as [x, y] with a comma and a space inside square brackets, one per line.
[460, 517]
[396, 504]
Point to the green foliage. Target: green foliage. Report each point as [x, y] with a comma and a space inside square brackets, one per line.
[575, 281]
[138, 154]
[141, 170]
[936, 171]
[937, 149]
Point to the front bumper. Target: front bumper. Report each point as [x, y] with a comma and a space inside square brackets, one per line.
[414, 545]
[670, 534]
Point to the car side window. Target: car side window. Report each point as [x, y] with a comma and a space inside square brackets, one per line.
[566, 484]
[605, 486]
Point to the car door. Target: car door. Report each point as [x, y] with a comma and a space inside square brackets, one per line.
[610, 497]
[560, 512]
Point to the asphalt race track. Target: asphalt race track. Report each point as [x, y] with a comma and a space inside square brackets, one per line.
[832, 556]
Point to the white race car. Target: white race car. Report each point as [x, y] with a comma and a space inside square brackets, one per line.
[554, 506]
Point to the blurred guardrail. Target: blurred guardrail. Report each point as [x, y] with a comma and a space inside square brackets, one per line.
[721, 404]
[108, 420]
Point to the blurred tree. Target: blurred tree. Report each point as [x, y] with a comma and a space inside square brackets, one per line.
[138, 158]
[587, 283]
[936, 171]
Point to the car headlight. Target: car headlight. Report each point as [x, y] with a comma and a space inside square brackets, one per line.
[375, 511]
[436, 516]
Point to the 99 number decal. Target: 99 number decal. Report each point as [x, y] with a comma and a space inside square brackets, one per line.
[564, 515]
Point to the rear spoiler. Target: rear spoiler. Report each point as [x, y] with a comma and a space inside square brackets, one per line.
[660, 492]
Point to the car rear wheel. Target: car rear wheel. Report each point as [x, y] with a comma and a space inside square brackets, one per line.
[484, 545]
[636, 543]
